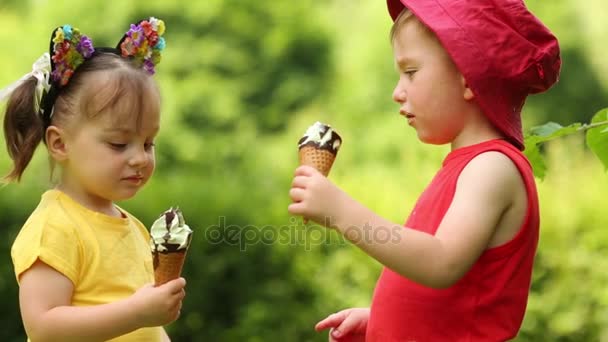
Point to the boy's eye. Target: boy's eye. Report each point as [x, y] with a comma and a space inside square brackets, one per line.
[410, 73]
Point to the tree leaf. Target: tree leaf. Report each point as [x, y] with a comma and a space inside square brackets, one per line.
[540, 134]
[551, 130]
[597, 137]
[535, 157]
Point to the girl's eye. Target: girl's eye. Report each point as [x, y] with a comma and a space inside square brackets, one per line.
[117, 146]
[149, 146]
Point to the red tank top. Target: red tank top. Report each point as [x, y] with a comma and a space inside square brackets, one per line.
[489, 301]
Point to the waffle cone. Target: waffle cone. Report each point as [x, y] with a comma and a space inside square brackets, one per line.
[320, 159]
[168, 266]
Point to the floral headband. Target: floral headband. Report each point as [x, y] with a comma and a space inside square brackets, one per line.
[69, 49]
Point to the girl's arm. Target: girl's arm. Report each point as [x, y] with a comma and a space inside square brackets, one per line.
[485, 190]
[45, 297]
[165, 337]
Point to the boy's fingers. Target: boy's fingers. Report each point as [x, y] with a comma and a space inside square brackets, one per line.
[299, 182]
[345, 327]
[296, 209]
[305, 170]
[296, 194]
[330, 321]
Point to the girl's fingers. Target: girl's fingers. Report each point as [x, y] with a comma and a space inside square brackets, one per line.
[175, 286]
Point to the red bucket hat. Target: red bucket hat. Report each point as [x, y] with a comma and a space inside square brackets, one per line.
[502, 50]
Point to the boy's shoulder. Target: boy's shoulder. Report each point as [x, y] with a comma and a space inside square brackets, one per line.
[495, 171]
[497, 167]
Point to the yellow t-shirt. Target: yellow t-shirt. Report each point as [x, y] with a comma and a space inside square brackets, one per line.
[106, 258]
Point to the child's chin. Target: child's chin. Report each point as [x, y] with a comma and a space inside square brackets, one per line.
[125, 195]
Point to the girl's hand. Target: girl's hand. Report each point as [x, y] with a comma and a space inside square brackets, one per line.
[315, 197]
[347, 325]
[156, 306]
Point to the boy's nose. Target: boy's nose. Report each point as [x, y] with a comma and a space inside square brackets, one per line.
[399, 94]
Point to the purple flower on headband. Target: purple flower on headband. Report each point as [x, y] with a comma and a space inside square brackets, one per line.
[149, 66]
[85, 46]
[137, 34]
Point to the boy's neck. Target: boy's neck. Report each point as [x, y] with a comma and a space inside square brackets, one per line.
[475, 131]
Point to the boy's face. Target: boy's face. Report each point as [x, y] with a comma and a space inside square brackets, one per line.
[430, 89]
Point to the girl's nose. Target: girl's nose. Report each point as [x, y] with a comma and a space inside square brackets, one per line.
[139, 158]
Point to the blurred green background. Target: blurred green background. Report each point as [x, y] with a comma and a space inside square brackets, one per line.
[241, 81]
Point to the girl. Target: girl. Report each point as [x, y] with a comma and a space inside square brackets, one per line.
[83, 264]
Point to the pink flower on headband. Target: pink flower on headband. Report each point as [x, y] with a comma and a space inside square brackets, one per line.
[146, 27]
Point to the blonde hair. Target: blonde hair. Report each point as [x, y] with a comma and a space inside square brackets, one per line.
[123, 89]
[405, 16]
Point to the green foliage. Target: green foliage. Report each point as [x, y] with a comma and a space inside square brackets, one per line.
[597, 139]
[568, 299]
[541, 134]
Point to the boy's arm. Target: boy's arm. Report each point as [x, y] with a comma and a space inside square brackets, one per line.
[485, 189]
[45, 297]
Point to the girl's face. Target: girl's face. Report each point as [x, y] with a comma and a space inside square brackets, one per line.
[430, 89]
[108, 158]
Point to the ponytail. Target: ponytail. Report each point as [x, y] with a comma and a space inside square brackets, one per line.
[23, 128]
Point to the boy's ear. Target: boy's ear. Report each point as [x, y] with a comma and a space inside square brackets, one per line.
[55, 142]
[468, 93]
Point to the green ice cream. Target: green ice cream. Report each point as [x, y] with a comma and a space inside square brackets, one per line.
[170, 233]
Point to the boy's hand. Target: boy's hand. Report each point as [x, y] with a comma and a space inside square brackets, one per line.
[157, 306]
[315, 197]
[347, 325]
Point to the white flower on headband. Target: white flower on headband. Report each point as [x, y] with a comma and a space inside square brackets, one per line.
[41, 70]
[154, 22]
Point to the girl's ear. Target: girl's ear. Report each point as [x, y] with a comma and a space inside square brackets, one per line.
[468, 93]
[55, 142]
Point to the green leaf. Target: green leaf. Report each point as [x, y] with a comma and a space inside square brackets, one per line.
[533, 154]
[550, 130]
[597, 137]
[540, 134]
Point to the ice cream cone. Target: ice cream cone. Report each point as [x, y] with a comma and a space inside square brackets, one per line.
[170, 240]
[318, 148]
[168, 266]
[320, 159]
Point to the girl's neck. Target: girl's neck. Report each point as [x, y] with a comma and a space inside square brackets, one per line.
[94, 203]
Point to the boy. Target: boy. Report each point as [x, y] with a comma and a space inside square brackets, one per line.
[460, 269]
